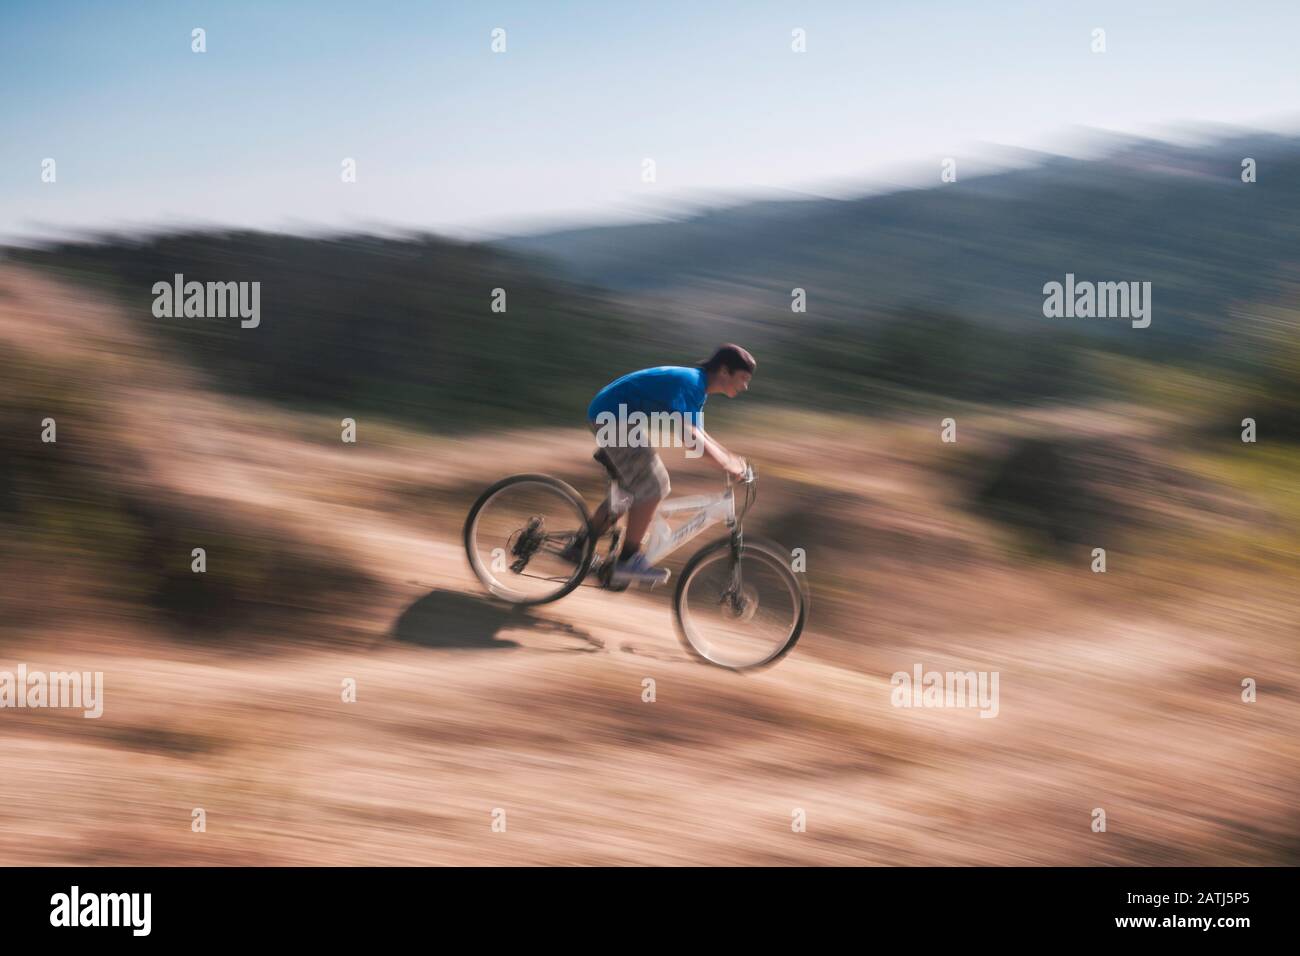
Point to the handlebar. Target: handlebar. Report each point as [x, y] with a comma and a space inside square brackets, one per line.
[748, 478]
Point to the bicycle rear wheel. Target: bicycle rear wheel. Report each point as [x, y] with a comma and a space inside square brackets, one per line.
[743, 627]
[516, 533]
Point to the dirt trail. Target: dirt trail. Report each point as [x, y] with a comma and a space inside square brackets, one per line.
[465, 708]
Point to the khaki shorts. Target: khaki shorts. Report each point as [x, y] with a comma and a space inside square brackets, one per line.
[638, 470]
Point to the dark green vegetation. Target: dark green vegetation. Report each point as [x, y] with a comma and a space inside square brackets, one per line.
[934, 291]
[919, 301]
[363, 325]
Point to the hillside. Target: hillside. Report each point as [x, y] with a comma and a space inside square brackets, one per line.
[982, 248]
[330, 562]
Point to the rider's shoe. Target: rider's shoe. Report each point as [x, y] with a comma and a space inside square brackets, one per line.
[637, 570]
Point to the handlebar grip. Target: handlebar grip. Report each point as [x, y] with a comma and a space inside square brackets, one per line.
[746, 478]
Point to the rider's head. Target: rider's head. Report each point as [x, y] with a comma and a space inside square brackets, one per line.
[729, 370]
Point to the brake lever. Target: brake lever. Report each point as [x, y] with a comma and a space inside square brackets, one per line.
[746, 479]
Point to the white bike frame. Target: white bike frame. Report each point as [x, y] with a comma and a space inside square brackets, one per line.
[708, 510]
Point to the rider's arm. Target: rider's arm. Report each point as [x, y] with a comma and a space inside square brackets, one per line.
[725, 459]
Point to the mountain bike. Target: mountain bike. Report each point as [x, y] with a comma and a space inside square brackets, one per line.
[737, 604]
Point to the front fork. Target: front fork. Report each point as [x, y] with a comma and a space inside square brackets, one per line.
[735, 592]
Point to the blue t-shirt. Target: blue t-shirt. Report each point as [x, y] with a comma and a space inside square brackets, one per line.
[668, 388]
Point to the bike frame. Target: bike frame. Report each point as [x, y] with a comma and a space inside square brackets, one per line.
[705, 510]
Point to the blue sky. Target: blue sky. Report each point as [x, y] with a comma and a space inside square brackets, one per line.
[449, 136]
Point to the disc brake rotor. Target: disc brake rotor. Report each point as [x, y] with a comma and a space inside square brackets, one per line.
[740, 605]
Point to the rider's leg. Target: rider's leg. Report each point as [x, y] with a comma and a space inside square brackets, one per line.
[638, 522]
[644, 477]
[649, 485]
[600, 520]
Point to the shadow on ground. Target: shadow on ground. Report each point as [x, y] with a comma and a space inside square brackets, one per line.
[453, 619]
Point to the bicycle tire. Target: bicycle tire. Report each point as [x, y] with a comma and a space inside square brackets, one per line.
[770, 552]
[565, 489]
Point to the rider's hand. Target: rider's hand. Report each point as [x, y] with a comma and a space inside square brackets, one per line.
[736, 467]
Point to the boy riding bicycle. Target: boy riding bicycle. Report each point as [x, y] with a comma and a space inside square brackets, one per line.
[647, 401]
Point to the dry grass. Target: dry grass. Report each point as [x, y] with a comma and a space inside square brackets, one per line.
[1119, 691]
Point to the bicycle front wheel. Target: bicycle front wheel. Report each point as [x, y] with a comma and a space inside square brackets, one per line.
[520, 535]
[741, 610]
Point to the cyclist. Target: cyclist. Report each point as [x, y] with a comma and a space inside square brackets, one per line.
[634, 462]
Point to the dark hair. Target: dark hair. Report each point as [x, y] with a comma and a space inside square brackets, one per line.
[731, 357]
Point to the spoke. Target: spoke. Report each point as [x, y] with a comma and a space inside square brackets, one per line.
[739, 622]
[535, 523]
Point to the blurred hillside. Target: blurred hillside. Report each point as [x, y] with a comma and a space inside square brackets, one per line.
[399, 328]
[916, 298]
[328, 560]
[982, 247]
